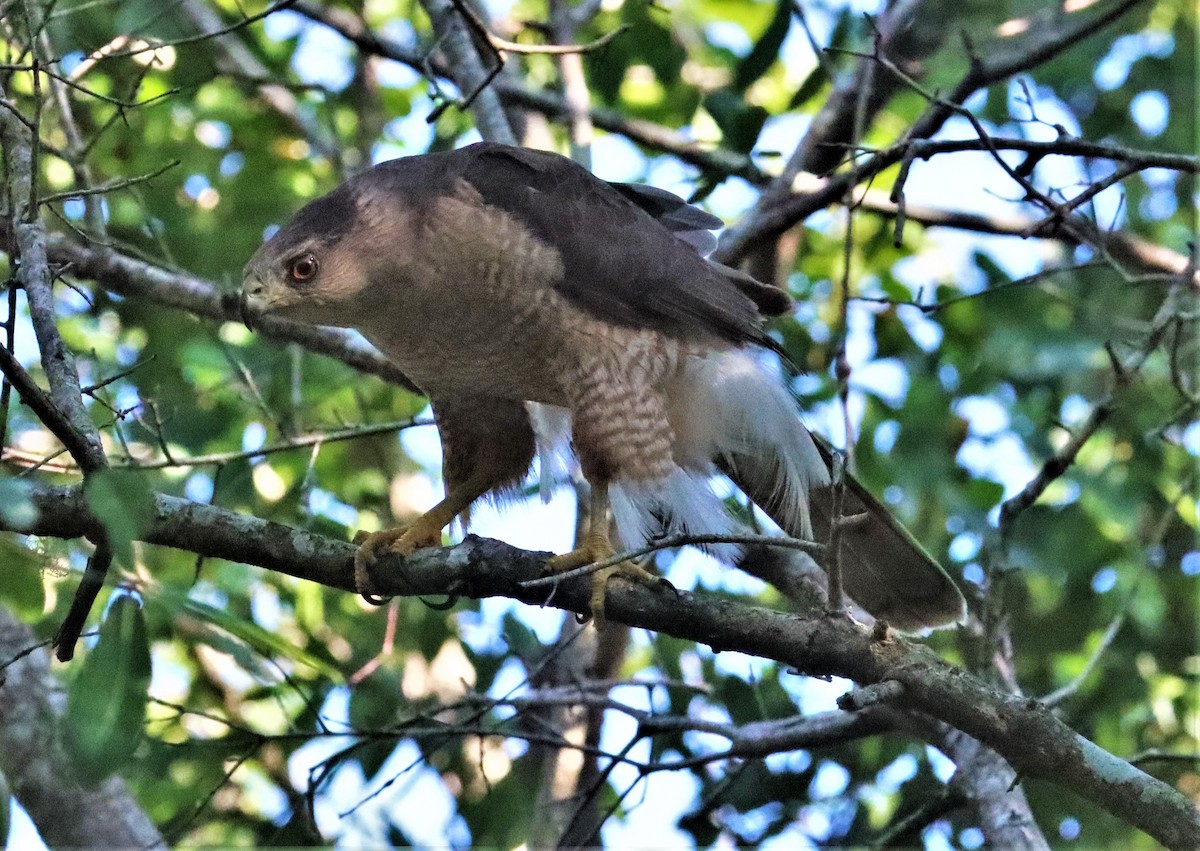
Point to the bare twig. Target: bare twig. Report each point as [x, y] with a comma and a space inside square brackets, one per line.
[1034, 279]
[872, 695]
[111, 186]
[504, 45]
[1059, 695]
[469, 73]
[75, 148]
[1123, 372]
[194, 39]
[307, 441]
[671, 542]
[778, 209]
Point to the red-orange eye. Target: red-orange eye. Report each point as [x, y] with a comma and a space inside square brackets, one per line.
[303, 268]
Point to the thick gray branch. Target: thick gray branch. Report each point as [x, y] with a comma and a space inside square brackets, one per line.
[988, 782]
[469, 71]
[29, 235]
[1030, 737]
[67, 815]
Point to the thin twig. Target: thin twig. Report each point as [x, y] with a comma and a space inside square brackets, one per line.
[1059, 695]
[111, 186]
[501, 44]
[672, 542]
[1123, 372]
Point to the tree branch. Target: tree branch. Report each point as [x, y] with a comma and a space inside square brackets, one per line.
[58, 362]
[473, 79]
[1123, 372]
[79, 433]
[43, 406]
[779, 209]
[1125, 248]
[984, 779]
[758, 739]
[550, 104]
[856, 99]
[1029, 736]
[66, 814]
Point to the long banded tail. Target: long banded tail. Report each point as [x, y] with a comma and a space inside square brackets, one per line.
[745, 420]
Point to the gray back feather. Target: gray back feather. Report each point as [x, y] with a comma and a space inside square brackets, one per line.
[622, 263]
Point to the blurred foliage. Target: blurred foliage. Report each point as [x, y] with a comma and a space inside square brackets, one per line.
[981, 392]
[106, 705]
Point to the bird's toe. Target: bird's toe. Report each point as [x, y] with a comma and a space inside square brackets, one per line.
[400, 541]
[629, 570]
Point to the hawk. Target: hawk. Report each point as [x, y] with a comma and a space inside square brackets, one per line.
[528, 298]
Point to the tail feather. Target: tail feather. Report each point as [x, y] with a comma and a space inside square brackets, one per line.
[884, 567]
[727, 408]
[552, 432]
[682, 503]
[731, 410]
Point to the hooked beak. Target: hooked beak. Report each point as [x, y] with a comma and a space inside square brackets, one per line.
[246, 311]
[250, 302]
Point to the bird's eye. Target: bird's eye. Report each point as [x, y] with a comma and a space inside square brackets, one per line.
[303, 268]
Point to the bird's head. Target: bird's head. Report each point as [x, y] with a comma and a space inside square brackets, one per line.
[316, 268]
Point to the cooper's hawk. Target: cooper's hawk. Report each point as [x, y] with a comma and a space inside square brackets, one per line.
[516, 290]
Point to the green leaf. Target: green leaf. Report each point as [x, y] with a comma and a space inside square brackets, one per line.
[124, 503]
[22, 589]
[766, 49]
[739, 121]
[257, 639]
[106, 704]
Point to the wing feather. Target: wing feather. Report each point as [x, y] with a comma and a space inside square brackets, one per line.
[622, 260]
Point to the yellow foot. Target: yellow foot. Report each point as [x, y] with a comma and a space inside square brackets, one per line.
[596, 551]
[402, 541]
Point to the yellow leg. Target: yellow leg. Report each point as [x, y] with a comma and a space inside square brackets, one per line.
[425, 531]
[597, 547]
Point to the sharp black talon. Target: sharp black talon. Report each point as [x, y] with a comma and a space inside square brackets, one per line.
[373, 600]
[581, 618]
[663, 581]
